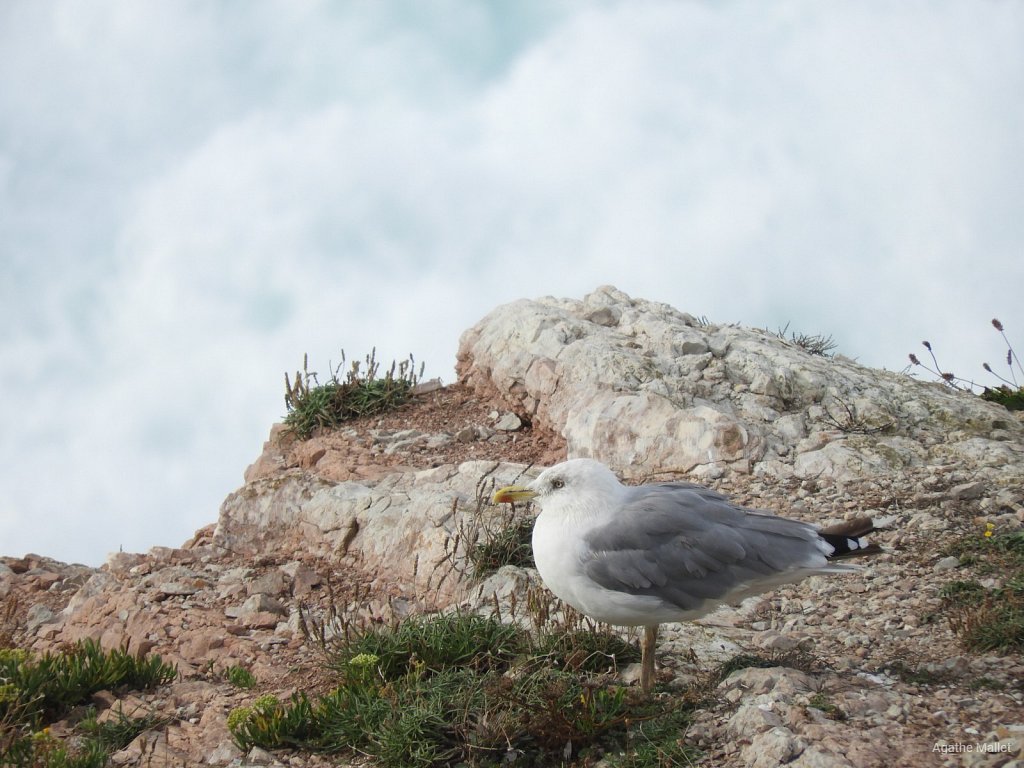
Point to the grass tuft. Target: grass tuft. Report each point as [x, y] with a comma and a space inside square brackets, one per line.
[797, 658]
[461, 688]
[510, 544]
[431, 644]
[119, 730]
[821, 702]
[988, 619]
[490, 536]
[37, 690]
[240, 677]
[312, 405]
[816, 344]
[51, 684]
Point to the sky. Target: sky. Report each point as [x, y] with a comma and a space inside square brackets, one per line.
[193, 195]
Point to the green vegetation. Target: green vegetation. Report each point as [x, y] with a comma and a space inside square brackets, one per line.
[1011, 399]
[1009, 393]
[312, 405]
[988, 619]
[816, 344]
[794, 659]
[119, 730]
[38, 690]
[916, 673]
[490, 536]
[240, 677]
[821, 702]
[463, 688]
[510, 544]
[437, 642]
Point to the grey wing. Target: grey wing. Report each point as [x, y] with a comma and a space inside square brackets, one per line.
[686, 545]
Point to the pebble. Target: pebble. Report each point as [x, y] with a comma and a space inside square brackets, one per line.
[508, 422]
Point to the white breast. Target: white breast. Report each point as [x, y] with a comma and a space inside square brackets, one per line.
[558, 552]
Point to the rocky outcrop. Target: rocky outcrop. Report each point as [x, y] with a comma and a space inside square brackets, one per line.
[373, 521]
[401, 527]
[644, 387]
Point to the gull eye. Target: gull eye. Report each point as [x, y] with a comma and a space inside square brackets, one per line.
[558, 483]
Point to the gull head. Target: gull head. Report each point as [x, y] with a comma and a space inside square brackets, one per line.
[580, 487]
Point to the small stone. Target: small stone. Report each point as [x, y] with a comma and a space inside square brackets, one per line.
[773, 641]
[692, 348]
[174, 588]
[224, 753]
[967, 491]
[509, 422]
[426, 387]
[605, 316]
[946, 564]
[37, 616]
[271, 583]
[260, 603]
[260, 756]
[305, 580]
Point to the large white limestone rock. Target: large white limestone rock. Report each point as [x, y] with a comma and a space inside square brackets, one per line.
[646, 388]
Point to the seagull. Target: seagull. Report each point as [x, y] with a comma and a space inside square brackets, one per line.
[640, 556]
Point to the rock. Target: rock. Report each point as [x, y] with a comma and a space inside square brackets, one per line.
[692, 347]
[303, 578]
[260, 603]
[947, 563]
[224, 753]
[606, 316]
[426, 387]
[402, 526]
[508, 422]
[627, 393]
[309, 453]
[775, 747]
[271, 583]
[967, 491]
[172, 589]
[753, 718]
[773, 641]
[260, 756]
[37, 616]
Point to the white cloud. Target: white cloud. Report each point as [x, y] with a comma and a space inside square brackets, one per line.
[208, 194]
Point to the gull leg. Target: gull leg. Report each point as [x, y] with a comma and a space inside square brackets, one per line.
[647, 658]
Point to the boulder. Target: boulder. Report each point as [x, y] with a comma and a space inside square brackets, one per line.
[643, 387]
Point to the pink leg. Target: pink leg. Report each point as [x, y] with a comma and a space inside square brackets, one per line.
[647, 658]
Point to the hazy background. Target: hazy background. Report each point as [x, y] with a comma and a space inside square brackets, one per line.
[194, 194]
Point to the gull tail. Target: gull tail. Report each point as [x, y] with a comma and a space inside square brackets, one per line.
[847, 539]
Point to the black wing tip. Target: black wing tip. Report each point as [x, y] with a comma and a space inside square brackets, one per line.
[847, 539]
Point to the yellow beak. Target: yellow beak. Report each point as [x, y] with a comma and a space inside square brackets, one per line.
[512, 493]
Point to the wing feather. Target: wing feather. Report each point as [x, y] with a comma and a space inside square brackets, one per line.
[686, 545]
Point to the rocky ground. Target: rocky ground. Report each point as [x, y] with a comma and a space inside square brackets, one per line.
[207, 609]
[892, 674]
[872, 674]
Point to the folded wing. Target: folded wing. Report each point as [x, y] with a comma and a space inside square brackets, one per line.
[688, 545]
